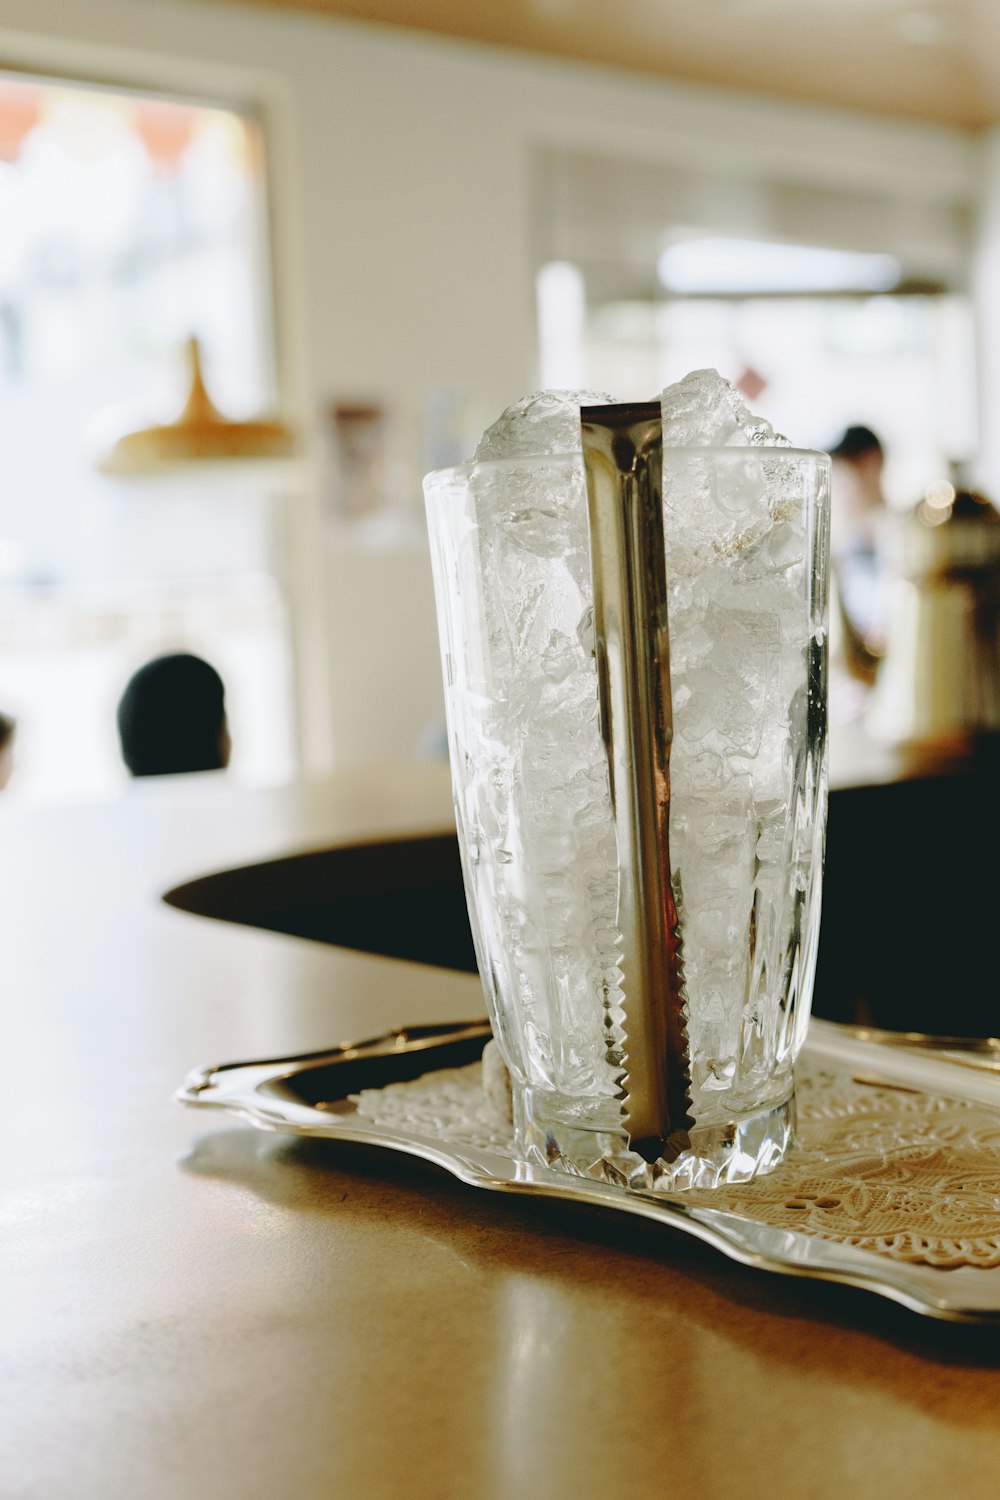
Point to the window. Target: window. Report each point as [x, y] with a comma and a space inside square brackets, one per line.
[813, 365]
[130, 223]
[831, 302]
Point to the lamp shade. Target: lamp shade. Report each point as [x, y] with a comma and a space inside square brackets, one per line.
[199, 434]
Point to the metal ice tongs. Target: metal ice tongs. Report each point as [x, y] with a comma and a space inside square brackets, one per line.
[623, 455]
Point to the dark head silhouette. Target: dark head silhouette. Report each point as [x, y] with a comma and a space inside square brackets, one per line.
[855, 443]
[172, 718]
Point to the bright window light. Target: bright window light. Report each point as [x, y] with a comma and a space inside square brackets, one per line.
[716, 266]
[562, 316]
[127, 223]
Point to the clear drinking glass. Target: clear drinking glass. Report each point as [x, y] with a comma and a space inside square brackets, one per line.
[745, 532]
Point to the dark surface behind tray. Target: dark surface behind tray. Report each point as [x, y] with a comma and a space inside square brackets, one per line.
[910, 911]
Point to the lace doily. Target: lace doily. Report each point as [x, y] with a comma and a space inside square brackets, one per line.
[912, 1176]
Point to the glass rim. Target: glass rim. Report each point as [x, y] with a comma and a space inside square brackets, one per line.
[452, 472]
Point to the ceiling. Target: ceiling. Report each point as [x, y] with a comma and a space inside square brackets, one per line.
[934, 60]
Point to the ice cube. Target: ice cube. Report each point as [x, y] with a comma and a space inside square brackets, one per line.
[545, 422]
[736, 550]
[704, 411]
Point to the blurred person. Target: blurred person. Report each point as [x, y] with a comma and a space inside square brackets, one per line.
[858, 508]
[8, 727]
[172, 718]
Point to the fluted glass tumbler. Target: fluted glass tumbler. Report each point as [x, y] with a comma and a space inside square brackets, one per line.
[538, 763]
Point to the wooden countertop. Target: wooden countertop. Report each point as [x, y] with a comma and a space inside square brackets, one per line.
[193, 1308]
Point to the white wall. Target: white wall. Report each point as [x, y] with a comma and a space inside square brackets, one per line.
[402, 180]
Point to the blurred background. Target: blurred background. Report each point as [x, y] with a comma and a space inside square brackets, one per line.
[383, 221]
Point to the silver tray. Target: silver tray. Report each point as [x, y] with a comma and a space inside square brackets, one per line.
[309, 1095]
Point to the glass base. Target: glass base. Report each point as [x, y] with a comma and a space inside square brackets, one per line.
[736, 1150]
